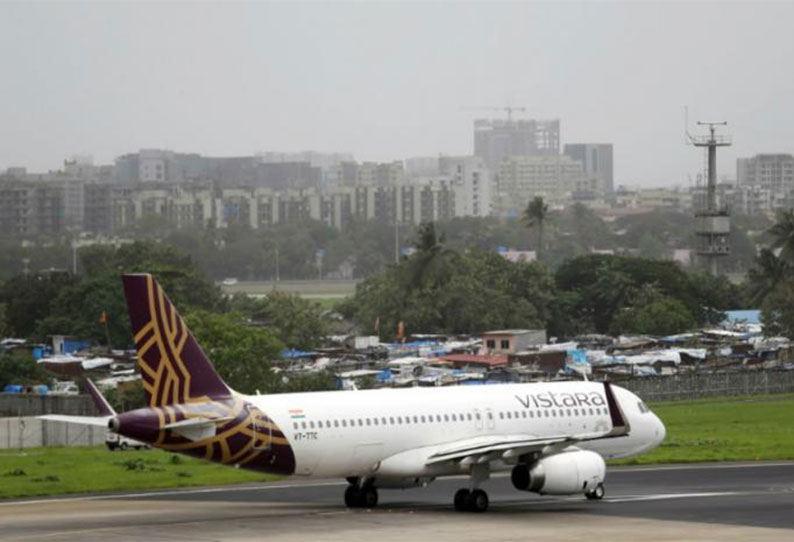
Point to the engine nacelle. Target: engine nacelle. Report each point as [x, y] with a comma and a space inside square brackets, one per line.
[565, 473]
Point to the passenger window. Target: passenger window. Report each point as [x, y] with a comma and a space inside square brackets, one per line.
[509, 416]
[438, 418]
[422, 418]
[367, 420]
[501, 415]
[523, 413]
[360, 422]
[591, 411]
[303, 425]
[490, 415]
[374, 421]
[446, 417]
[295, 425]
[468, 416]
[568, 412]
[336, 423]
[416, 420]
[531, 414]
[344, 423]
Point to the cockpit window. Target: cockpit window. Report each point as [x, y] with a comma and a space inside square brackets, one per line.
[644, 409]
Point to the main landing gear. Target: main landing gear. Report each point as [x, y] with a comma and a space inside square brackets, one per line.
[595, 494]
[364, 496]
[474, 499]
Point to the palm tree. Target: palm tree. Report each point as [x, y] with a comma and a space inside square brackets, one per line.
[535, 215]
[428, 262]
[764, 278]
[783, 233]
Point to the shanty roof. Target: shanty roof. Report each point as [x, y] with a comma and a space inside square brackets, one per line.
[475, 359]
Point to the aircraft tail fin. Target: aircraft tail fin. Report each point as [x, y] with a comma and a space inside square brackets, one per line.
[174, 368]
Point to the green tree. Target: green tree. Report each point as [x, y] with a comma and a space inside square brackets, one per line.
[534, 216]
[296, 322]
[661, 316]
[777, 313]
[17, 368]
[783, 235]
[241, 354]
[29, 298]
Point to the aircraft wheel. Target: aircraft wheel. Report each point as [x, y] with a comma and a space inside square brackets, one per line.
[368, 497]
[478, 501]
[461, 497]
[596, 494]
[352, 497]
[123, 446]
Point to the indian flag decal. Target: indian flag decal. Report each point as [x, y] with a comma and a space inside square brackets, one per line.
[296, 414]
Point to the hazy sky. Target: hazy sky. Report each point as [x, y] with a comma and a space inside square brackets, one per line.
[390, 80]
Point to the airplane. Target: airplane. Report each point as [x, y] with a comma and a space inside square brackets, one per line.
[553, 437]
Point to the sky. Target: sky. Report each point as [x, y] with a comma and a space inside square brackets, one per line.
[391, 80]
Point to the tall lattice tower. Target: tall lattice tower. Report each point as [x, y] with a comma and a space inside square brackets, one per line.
[712, 221]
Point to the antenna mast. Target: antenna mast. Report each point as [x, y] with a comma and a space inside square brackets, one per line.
[712, 221]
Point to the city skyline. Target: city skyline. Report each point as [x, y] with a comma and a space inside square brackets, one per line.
[391, 81]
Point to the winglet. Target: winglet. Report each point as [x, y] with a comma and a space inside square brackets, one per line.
[101, 403]
[620, 424]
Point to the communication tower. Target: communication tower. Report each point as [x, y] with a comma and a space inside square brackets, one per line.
[712, 222]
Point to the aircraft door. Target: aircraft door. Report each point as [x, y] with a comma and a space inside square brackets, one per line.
[490, 423]
[262, 431]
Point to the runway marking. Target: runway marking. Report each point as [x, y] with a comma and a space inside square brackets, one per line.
[300, 483]
[665, 496]
[173, 492]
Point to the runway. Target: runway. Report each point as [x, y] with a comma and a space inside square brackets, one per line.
[678, 502]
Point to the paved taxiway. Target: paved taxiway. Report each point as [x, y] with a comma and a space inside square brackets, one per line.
[704, 502]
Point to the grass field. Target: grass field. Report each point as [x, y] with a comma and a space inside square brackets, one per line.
[48, 471]
[725, 429]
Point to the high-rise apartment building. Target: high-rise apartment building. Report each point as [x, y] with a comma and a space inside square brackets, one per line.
[521, 178]
[770, 171]
[597, 172]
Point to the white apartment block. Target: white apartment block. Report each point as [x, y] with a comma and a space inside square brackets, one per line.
[768, 171]
[262, 207]
[522, 178]
[472, 176]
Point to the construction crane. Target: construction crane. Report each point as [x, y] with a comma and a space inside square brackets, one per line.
[508, 109]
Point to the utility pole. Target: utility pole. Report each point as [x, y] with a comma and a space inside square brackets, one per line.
[712, 222]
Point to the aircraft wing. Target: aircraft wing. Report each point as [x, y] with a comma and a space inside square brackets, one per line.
[99, 421]
[481, 449]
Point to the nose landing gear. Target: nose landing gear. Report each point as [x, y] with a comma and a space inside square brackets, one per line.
[596, 494]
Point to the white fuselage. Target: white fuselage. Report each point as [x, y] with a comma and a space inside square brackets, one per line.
[350, 433]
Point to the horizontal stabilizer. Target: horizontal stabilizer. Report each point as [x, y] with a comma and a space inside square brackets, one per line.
[98, 421]
[196, 429]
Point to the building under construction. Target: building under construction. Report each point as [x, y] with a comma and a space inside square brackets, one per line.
[496, 139]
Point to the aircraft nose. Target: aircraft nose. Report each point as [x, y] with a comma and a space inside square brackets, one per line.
[660, 431]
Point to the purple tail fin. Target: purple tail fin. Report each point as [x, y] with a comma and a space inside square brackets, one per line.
[173, 367]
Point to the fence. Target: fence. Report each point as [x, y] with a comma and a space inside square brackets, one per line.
[28, 404]
[29, 432]
[694, 386]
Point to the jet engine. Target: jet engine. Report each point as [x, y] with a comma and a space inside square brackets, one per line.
[565, 473]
